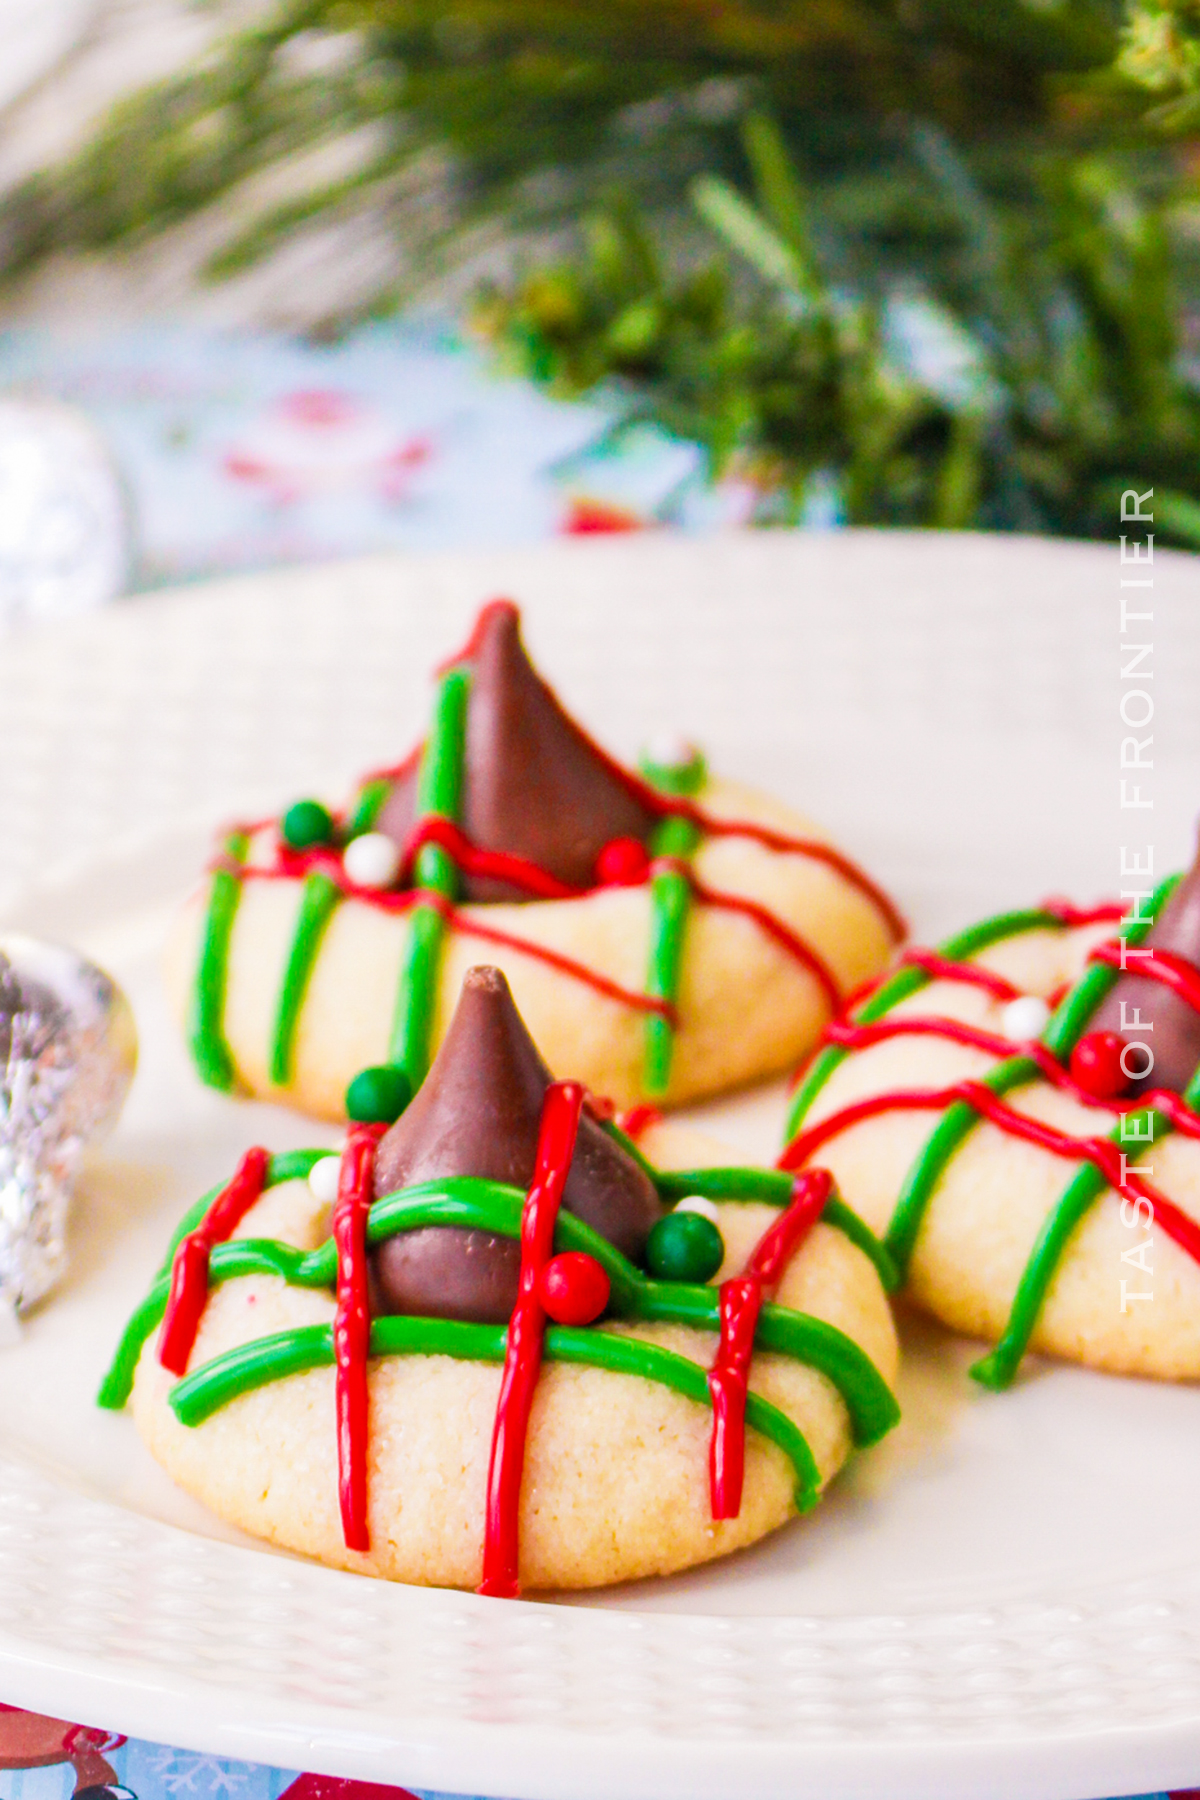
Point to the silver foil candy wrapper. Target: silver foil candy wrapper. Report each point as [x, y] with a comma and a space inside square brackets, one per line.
[68, 1050]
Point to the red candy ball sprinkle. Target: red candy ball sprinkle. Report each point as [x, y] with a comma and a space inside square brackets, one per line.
[574, 1288]
[1096, 1065]
[623, 862]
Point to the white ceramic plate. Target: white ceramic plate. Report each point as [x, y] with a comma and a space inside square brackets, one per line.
[1002, 1600]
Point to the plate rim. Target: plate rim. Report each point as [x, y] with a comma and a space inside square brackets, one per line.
[542, 1761]
[461, 1755]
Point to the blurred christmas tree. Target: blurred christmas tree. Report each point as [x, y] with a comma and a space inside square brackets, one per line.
[530, 105]
[1044, 378]
[960, 292]
[1160, 51]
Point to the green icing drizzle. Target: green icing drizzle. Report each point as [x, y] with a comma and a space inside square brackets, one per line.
[869, 1401]
[955, 1124]
[206, 1024]
[847, 1221]
[439, 793]
[998, 1369]
[252, 1366]
[670, 903]
[961, 1119]
[1066, 1026]
[631, 1149]
[367, 808]
[769, 1185]
[494, 1207]
[1076, 1008]
[318, 898]
[775, 1188]
[416, 997]
[897, 987]
[288, 1165]
[629, 1356]
[460, 1201]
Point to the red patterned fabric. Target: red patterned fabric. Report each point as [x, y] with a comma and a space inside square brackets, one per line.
[333, 1787]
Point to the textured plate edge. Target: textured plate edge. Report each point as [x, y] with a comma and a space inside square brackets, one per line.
[550, 1765]
[541, 1761]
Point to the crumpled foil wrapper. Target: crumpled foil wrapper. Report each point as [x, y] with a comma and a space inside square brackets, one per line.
[68, 1050]
[64, 519]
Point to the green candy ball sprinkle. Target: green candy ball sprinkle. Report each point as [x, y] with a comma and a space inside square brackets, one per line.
[682, 778]
[685, 1246]
[306, 825]
[378, 1096]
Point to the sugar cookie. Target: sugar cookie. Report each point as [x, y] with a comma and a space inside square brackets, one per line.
[667, 935]
[499, 1361]
[1035, 1173]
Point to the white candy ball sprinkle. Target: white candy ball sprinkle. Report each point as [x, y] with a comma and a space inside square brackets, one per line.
[323, 1179]
[1025, 1018]
[372, 860]
[698, 1204]
[669, 750]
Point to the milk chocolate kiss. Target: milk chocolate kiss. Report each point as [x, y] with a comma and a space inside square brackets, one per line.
[534, 785]
[1175, 1038]
[477, 1113]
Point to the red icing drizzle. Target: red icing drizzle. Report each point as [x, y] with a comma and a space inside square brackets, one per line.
[790, 846]
[483, 619]
[638, 1120]
[516, 871]
[612, 990]
[943, 968]
[388, 900]
[1102, 1153]
[352, 1328]
[291, 865]
[1174, 972]
[531, 879]
[394, 771]
[765, 920]
[862, 1037]
[673, 805]
[1068, 914]
[741, 1301]
[845, 1033]
[849, 1036]
[189, 1273]
[526, 1328]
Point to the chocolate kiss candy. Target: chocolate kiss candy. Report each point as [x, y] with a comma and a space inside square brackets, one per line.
[478, 1114]
[535, 785]
[1175, 1039]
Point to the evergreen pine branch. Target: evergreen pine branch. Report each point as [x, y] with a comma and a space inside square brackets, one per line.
[1073, 333]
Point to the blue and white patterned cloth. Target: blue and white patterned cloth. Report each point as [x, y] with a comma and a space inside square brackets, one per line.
[246, 450]
[154, 1772]
[144, 1771]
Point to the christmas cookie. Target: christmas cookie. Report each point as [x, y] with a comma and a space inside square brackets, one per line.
[1017, 1114]
[494, 1343]
[666, 934]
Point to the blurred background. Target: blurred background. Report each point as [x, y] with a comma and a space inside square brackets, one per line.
[291, 280]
